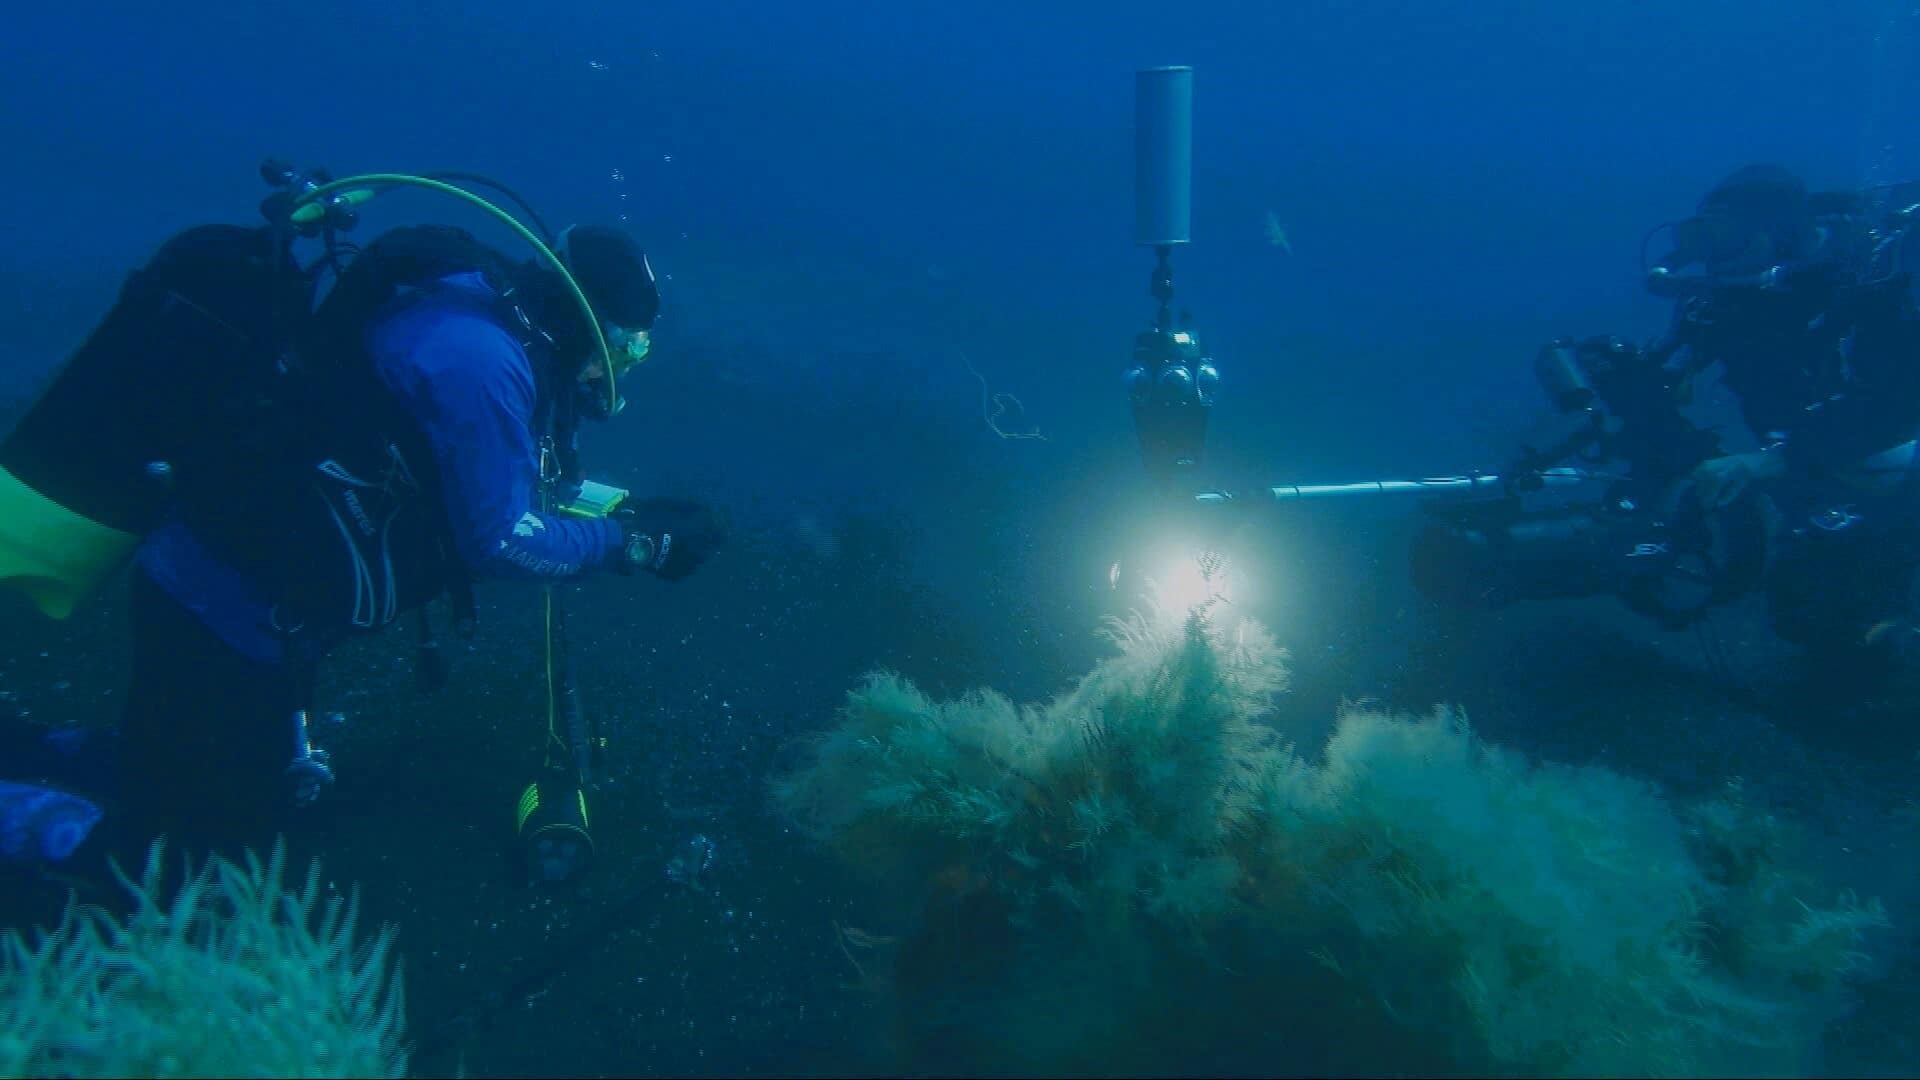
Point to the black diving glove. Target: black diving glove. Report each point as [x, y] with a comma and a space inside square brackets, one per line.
[667, 537]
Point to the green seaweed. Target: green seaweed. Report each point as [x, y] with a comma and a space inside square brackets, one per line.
[1142, 875]
[240, 974]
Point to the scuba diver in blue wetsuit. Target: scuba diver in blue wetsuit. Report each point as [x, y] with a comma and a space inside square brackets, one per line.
[294, 474]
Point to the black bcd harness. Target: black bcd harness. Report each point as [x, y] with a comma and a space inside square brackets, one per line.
[299, 467]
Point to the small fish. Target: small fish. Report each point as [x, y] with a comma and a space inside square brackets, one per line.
[1277, 233]
[596, 65]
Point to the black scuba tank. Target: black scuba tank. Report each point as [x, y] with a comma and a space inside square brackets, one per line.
[190, 345]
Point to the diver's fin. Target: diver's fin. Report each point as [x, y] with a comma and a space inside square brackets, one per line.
[55, 555]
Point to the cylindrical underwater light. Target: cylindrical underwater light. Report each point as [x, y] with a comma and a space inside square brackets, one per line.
[1163, 156]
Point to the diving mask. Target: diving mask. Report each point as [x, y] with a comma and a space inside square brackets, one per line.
[627, 347]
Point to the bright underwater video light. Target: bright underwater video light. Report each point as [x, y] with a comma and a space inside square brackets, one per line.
[1182, 582]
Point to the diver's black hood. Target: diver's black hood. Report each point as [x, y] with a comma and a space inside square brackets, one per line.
[614, 275]
[1763, 200]
[544, 296]
[567, 345]
[613, 271]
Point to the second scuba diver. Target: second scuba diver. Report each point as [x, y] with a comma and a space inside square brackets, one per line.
[1805, 302]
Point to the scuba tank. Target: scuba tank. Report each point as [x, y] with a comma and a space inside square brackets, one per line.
[194, 335]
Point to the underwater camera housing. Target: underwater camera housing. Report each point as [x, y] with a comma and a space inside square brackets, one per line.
[1492, 553]
[1171, 388]
[1671, 566]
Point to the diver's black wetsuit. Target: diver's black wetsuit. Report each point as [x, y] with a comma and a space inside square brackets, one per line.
[1829, 370]
[1830, 373]
[204, 739]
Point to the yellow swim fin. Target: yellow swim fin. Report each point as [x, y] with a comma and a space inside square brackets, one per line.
[54, 554]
